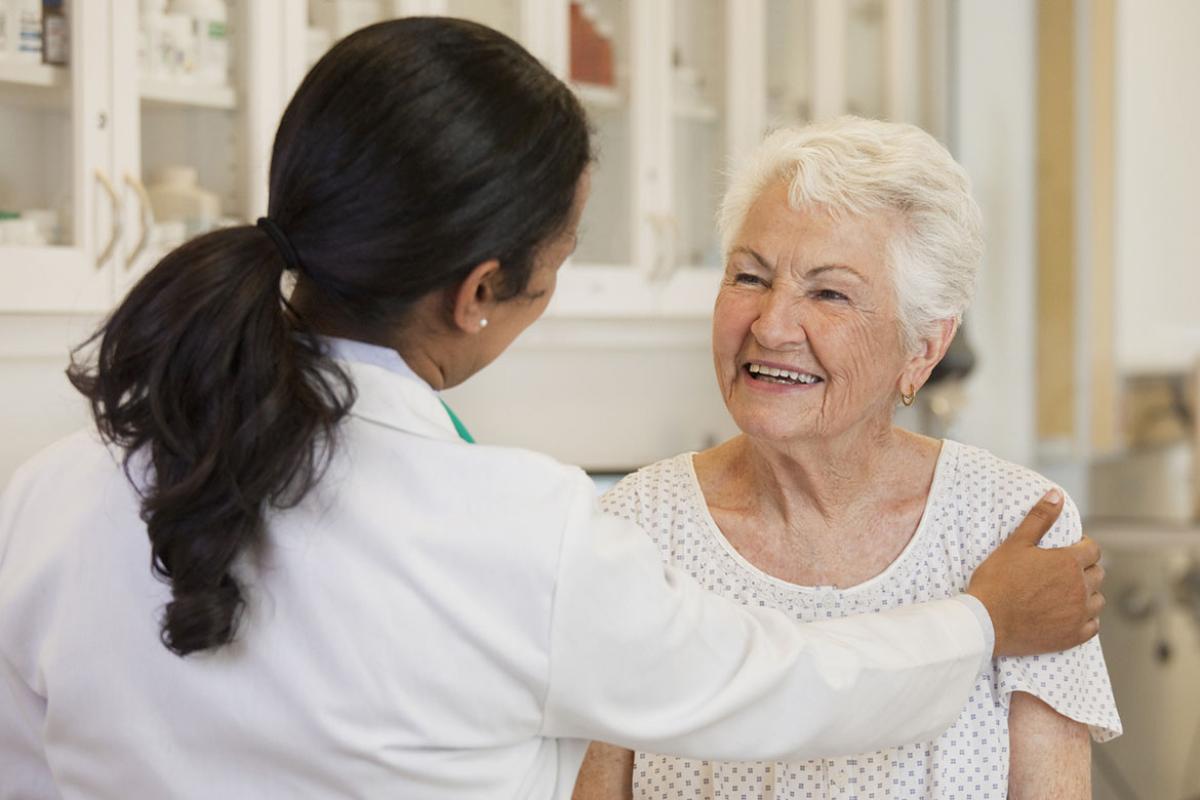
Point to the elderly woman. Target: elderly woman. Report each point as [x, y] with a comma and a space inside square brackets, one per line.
[851, 253]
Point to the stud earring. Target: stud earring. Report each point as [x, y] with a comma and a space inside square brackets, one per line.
[483, 323]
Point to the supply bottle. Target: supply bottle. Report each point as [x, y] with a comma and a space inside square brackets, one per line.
[210, 29]
[55, 33]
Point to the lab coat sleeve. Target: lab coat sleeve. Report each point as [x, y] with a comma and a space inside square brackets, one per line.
[641, 656]
[24, 771]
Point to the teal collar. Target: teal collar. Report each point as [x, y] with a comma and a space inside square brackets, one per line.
[463, 433]
[386, 358]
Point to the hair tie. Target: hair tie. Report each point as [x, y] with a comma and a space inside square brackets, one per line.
[290, 258]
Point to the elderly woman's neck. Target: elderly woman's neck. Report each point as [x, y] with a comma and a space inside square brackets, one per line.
[831, 476]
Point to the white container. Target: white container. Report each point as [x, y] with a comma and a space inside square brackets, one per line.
[26, 42]
[45, 221]
[20, 233]
[175, 196]
[209, 21]
[166, 236]
[176, 47]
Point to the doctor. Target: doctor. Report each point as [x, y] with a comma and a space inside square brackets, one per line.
[282, 570]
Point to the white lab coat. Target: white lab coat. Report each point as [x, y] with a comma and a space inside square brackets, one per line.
[435, 620]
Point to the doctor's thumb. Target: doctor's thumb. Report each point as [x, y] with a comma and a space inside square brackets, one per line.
[1039, 520]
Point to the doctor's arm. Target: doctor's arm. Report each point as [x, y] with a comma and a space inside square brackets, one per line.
[642, 656]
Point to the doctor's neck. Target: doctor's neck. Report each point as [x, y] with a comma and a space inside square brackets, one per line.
[431, 346]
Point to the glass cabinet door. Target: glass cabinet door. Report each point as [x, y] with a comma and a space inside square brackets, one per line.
[192, 81]
[58, 197]
[872, 58]
[787, 35]
[699, 152]
[600, 47]
[866, 87]
[596, 61]
[330, 20]
[503, 15]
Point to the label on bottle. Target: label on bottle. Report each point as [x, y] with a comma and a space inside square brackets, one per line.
[56, 44]
[29, 33]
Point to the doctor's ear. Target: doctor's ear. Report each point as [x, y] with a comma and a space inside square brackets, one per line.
[475, 298]
[930, 349]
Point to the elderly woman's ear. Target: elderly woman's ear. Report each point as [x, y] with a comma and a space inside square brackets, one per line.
[931, 348]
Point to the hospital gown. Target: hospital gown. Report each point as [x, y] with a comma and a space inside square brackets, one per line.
[975, 500]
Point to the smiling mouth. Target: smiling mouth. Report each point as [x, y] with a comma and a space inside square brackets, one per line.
[787, 377]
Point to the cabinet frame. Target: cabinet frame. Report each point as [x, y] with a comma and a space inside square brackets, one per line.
[271, 52]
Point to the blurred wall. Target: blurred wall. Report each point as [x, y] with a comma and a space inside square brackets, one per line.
[1157, 175]
[992, 134]
[39, 404]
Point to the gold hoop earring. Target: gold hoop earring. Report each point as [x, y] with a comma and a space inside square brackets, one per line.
[908, 399]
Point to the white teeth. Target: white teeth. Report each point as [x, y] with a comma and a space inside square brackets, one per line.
[798, 377]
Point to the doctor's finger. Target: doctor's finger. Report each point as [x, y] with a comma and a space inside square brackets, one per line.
[1039, 519]
[1093, 578]
[1086, 552]
[1096, 604]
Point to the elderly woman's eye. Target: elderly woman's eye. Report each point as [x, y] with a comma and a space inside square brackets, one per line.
[748, 279]
[830, 294]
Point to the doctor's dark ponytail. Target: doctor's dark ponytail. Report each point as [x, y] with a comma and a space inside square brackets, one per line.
[413, 151]
[200, 368]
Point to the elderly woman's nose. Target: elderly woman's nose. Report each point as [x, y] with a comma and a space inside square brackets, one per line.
[780, 321]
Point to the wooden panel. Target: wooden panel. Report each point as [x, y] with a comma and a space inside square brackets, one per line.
[1056, 307]
[1102, 379]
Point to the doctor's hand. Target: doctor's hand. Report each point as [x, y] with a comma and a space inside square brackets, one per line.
[1040, 601]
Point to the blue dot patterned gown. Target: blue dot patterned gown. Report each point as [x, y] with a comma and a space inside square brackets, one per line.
[975, 501]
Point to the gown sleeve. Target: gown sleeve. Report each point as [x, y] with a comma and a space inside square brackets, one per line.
[641, 656]
[1074, 682]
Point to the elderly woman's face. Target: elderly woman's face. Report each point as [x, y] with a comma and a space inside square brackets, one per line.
[805, 333]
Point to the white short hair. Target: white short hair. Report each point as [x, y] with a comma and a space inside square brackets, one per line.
[859, 166]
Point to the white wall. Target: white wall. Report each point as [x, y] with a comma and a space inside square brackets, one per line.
[39, 404]
[1157, 179]
[608, 396]
[992, 130]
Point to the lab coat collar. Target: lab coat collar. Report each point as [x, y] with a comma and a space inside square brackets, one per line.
[400, 401]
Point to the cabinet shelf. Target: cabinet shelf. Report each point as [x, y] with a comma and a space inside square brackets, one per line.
[174, 93]
[597, 96]
[33, 84]
[33, 75]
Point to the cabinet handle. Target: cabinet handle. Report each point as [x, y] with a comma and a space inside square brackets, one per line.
[115, 199]
[145, 218]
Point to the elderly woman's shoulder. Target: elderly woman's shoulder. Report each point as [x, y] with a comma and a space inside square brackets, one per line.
[996, 492]
[663, 485]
